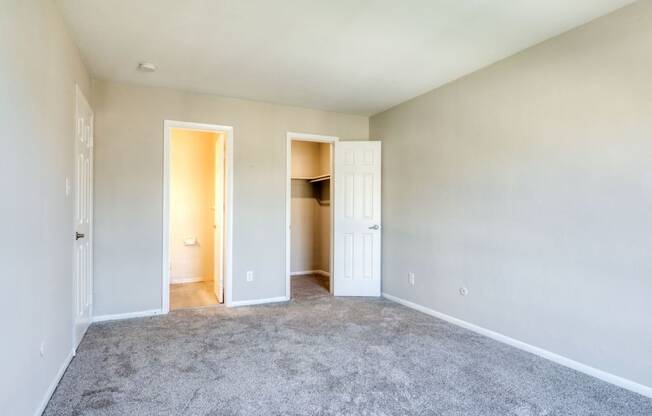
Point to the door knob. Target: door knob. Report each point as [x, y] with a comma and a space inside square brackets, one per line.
[79, 235]
[375, 227]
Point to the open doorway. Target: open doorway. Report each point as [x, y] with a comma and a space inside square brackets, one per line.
[197, 215]
[310, 230]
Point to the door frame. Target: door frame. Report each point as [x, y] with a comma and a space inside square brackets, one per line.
[221, 236]
[168, 125]
[305, 137]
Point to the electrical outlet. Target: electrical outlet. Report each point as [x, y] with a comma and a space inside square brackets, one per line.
[411, 278]
[42, 349]
[464, 291]
[250, 276]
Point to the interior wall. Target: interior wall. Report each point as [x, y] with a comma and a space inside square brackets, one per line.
[325, 158]
[192, 205]
[306, 159]
[323, 216]
[129, 182]
[530, 183]
[310, 218]
[39, 66]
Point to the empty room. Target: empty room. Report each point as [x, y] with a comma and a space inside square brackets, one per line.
[281, 207]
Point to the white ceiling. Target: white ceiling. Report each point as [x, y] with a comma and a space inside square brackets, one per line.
[351, 56]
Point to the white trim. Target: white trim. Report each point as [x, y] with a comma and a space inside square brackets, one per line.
[559, 359]
[228, 249]
[127, 315]
[290, 136]
[309, 272]
[219, 217]
[257, 301]
[307, 137]
[55, 382]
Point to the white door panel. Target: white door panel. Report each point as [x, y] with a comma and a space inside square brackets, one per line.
[357, 235]
[83, 221]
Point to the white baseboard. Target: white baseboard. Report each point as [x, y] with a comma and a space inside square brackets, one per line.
[181, 280]
[306, 272]
[257, 301]
[559, 359]
[54, 384]
[128, 315]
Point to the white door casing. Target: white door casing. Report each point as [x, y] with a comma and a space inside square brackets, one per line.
[218, 257]
[357, 227]
[83, 218]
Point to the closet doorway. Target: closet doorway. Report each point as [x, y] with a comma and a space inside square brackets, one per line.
[197, 215]
[309, 258]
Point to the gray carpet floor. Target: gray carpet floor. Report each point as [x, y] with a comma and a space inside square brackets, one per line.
[318, 355]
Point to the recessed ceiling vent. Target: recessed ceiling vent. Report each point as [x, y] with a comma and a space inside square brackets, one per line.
[146, 67]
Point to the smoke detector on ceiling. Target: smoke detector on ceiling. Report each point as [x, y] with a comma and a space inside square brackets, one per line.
[146, 67]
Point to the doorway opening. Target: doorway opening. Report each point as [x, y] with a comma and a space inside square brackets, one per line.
[309, 215]
[197, 215]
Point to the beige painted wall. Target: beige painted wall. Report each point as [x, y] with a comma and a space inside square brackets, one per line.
[303, 229]
[323, 229]
[310, 159]
[39, 66]
[192, 204]
[323, 216]
[325, 158]
[530, 183]
[129, 183]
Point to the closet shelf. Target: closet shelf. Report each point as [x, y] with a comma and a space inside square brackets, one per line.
[320, 178]
[313, 178]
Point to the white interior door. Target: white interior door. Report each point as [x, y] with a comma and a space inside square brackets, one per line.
[218, 260]
[83, 218]
[357, 219]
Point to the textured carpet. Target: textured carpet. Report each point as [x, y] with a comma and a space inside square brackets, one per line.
[319, 356]
[309, 286]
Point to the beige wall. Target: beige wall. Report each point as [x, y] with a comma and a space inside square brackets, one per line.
[303, 227]
[323, 216]
[323, 229]
[192, 204]
[530, 183]
[129, 183]
[39, 66]
[310, 159]
[325, 158]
